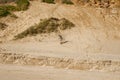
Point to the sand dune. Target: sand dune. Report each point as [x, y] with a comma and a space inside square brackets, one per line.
[93, 45]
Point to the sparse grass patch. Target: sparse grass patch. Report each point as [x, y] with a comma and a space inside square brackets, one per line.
[13, 15]
[6, 1]
[22, 4]
[46, 26]
[7, 9]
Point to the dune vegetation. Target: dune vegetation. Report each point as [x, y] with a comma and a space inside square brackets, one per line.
[8, 9]
[46, 26]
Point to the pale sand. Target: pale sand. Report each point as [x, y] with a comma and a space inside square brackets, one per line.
[12, 72]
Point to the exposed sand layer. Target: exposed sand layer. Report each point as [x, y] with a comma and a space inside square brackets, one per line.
[21, 59]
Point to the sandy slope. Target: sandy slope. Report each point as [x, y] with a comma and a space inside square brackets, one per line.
[91, 35]
[48, 73]
[95, 37]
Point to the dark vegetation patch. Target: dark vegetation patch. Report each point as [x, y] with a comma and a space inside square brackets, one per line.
[48, 1]
[46, 26]
[7, 9]
[67, 2]
[22, 4]
[6, 1]
[2, 26]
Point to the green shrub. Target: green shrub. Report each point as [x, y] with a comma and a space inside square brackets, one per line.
[66, 24]
[48, 1]
[8, 7]
[67, 2]
[46, 26]
[22, 4]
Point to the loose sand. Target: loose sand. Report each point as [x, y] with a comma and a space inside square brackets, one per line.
[13, 72]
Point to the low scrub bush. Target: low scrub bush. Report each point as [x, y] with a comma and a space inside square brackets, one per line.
[22, 4]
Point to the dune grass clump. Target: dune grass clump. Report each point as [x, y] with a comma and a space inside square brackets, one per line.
[22, 4]
[67, 2]
[8, 9]
[6, 1]
[49, 1]
[46, 26]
